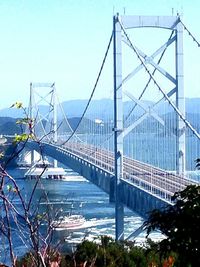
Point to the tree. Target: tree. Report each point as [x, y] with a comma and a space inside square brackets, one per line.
[107, 252]
[180, 223]
[21, 216]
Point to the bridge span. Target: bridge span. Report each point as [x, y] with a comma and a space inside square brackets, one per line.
[143, 187]
[146, 120]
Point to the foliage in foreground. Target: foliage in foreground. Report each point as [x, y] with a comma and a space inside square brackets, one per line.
[21, 217]
[180, 224]
[107, 253]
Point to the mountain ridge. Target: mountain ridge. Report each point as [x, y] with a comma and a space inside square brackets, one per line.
[75, 108]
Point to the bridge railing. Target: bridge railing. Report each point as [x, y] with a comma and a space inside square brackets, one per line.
[158, 182]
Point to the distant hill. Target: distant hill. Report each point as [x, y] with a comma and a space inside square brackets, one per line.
[7, 148]
[8, 126]
[72, 108]
[11, 112]
[75, 108]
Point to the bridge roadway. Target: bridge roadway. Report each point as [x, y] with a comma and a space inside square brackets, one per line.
[143, 187]
[141, 174]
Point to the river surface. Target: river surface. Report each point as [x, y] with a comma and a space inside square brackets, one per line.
[78, 196]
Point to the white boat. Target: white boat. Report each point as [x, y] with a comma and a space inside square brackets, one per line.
[69, 222]
[43, 169]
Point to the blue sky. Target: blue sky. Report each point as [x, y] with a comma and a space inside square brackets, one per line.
[65, 40]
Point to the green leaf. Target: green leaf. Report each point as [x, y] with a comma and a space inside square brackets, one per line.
[31, 136]
[23, 121]
[18, 104]
[9, 187]
[21, 138]
[39, 216]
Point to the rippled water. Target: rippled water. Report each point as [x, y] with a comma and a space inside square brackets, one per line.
[81, 197]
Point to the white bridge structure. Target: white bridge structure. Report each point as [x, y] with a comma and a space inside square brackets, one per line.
[139, 142]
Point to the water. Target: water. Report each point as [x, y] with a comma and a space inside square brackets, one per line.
[78, 196]
[81, 197]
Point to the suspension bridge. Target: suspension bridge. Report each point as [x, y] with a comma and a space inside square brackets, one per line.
[140, 143]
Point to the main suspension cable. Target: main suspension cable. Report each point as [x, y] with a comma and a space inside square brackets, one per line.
[94, 88]
[65, 118]
[190, 34]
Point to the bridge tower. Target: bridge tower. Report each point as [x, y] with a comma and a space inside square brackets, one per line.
[40, 94]
[120, 25]
[118, 128]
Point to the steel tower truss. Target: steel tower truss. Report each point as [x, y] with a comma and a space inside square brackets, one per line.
[120, 25]
[44, 94]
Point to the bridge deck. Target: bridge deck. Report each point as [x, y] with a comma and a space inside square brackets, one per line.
[143, 187]
[141, 174]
